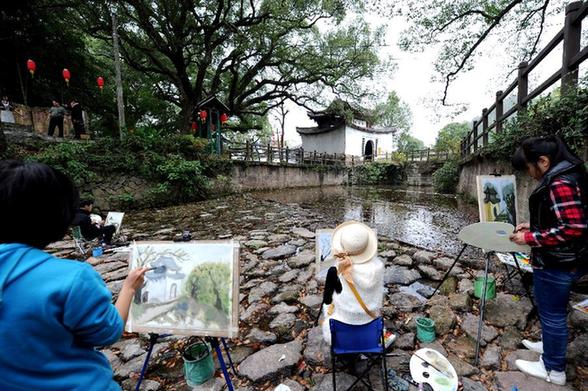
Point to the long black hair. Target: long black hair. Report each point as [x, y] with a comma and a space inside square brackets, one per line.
[532, 148]
[37, 203]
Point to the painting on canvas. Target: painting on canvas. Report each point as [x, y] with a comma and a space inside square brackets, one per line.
[497, 198]
[191, 289]
[114, 218]
[323, 251]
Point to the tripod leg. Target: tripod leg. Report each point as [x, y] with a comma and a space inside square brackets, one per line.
[152, 341]
[450, 269]
[482, 307]
[221, 361]
[228, 355]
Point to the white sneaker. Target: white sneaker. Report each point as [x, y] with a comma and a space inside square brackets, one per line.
[534, 346]
[537, 369]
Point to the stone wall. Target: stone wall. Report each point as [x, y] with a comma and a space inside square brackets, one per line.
[248, 177]
[483, 166]
[117, 191]
[38, 118]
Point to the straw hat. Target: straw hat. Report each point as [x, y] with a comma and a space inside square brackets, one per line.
[356, 239]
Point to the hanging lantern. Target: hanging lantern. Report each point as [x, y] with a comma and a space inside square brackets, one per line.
[194, 126]
[224, 118]
[100, 82]
[31, 66]
[203, 115]
[66, 75]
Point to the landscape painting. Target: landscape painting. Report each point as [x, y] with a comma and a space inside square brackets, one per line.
[115, 218]
[497, 198]
[323, 252]
[190, 289]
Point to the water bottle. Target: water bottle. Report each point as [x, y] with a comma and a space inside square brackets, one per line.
[186, 235]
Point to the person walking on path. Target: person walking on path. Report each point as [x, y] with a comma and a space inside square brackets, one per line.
[558, 236]
[56, 114]
[77, 118]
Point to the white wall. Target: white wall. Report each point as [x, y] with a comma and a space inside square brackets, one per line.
[330, 142]
[355, 137]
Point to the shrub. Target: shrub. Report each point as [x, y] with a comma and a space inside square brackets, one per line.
[377, 172]
[445, 179]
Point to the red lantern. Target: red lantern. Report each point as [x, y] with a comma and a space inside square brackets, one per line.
[224, 118]
[194, 126]
[203, 115]
[100, 82]
[31, 66]
[66, 75]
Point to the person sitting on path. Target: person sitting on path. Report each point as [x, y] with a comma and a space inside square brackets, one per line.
[88, 229]
[56, 114]
[53, 312]
[354, 289]
[558, 236]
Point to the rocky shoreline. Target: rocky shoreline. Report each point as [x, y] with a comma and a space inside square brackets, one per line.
[280, 297]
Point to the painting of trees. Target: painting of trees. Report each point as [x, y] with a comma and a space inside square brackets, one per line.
[210, 284]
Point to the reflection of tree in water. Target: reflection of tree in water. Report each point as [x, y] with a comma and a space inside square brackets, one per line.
[210, 284]
[508, 194]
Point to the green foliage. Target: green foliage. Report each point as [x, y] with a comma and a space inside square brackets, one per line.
[184, 176]
[407, 143]
[210, 283]
[445, 179]
[450, 136]
[377, 172]
[393, 113]
[564, 115]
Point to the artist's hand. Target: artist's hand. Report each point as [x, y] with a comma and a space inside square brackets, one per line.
[135, 279]
[523, 227]
[518, 238]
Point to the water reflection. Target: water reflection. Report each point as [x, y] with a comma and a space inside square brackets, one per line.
[411, 215]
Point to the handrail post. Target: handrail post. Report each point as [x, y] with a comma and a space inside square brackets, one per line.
[287, 155]
[485, 127]
[571, 47]
[523, 84]
[499, 111]
[428, 154]
[475, 140]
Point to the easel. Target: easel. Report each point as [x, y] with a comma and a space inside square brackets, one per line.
[214, 342]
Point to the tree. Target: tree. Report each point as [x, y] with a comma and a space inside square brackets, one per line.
[450, 136]
[407, 143]
[393, 113]
[462, 27]
[210, 283]
[253, 54]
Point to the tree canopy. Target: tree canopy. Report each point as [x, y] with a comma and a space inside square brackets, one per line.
[450, 136]
[406, 142]
[393, 113]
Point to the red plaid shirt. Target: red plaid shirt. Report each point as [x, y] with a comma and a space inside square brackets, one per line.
[567, 205]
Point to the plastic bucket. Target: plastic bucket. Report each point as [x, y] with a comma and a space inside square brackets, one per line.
[490, 289]
[425, 328]
[198, 364]
[97, 251]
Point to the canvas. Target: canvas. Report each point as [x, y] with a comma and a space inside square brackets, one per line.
[497, 198]
[323, 252]
[115, 218]
[192, 288]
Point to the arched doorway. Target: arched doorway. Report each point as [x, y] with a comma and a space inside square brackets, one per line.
[368, 153]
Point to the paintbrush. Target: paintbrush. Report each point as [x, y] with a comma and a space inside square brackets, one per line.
[157, 269]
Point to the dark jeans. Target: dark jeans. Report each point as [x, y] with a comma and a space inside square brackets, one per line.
[53, 122]
[78, 128]
[551, 288]
[104, 233]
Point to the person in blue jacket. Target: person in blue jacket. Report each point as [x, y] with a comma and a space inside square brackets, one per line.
[53, 312]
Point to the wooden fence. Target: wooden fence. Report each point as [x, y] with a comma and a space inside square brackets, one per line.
[428, 155]
[573, 56]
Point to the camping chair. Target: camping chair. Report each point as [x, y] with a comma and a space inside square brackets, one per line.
[79, 240]
[366, 339]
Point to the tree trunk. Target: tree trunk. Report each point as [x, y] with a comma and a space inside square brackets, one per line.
[186, 115]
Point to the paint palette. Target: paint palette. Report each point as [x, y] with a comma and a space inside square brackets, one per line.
[431, 367]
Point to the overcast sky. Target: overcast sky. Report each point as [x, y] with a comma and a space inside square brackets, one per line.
[412, 82]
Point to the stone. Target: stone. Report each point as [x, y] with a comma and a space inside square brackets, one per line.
[277, 269]
[577, 350]
[294, 386]
[213, 384]
[463, 346]
[272, 362]
[423, 257]
[466, 286]
[491, 357]
[262, 290]
[303, 277]
[444, 319]
[470, 385]
[317, 351]
[297, 242]
[131, 351]
[283, 324]
[257, 335]
[405, 341]
[256, 244]
[146, 385]
[505, 381]
[110, 266]
[443, 262]
[449, 286]
[253, 310]
[279, 252]
[469, 324]
[324, 382]
[398, 360]
[303, 259]
[578, 320]
[438, 300]
[113, 359]
[400, 275]
[238, 354]
[288, 276]
[431, 272]
[303, 232]
[461, 367]
[403, 260]
[388, 254]
[404, 302]
[510, 339]
[278, 238]
[289, 295]
[133, 366]
[119, 274]
[283, 308]
[460, 302]
[312, 301]
[521, 354]
[508, 310]
[435, 345]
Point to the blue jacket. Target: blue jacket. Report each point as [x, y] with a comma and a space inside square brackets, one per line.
[53, 312]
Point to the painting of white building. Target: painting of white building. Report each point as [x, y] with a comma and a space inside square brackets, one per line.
[164, 283]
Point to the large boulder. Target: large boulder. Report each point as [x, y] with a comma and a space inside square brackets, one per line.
[317, 351]
[423, 257]
[444, 318]
[508, 310]
[272, 362]
[400, 275]
[470, 326]
[279, 252]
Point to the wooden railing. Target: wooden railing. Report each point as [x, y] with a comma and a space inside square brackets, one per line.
[428, 155]
[573, 56]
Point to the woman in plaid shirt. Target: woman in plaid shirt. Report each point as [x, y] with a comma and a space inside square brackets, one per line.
[558, 236]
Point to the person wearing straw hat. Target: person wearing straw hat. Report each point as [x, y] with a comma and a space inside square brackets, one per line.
[355, 288]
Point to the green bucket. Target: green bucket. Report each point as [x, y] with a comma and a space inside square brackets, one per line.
[490, 289]
[425, 328]
[198, 364]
